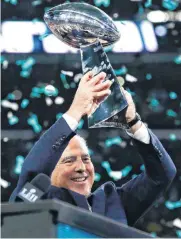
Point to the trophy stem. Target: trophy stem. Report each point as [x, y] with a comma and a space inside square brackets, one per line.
[94, 58]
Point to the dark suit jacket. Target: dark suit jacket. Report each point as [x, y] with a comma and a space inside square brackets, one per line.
[125, 204]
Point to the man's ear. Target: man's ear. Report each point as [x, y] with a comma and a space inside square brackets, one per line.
[54, 176]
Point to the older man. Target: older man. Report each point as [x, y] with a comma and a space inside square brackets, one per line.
[63, 155]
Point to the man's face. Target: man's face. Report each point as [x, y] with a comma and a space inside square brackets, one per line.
[74, 170]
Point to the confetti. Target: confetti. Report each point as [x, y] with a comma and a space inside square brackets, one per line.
[8, 104]
[177, 222]
[122, 71]
[148, 76]
[110, 142]
[148, 3]
[48, 101]
[116, 175]
[5, 64]
[33, 121]
[142, 167]
[19, 163]
[130, 78]
[4, 183]
[64, 81]
[178, 232]
[50, 90]
[97, 177]
[106, 165]
[170, 4]
[5, 139]
[35, 95]
[26, 66]
[153, 234]
[173, 95]
[172, 205]
[59, 100]
[177, 59]
[78, 77]
[172, 137]
[68, 73]
[99, 3]
[13, 120]
[36, 3]
[13, 2]
[171, 113]
[25, 74]
[125, 171]
[59, 115]
[24, 103]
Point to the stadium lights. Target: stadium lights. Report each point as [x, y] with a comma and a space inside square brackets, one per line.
[162, 16]
[157, 16]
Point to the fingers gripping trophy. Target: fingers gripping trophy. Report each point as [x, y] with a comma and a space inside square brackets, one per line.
[89, 29]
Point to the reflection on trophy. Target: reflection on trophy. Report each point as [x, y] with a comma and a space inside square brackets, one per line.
[88, 28]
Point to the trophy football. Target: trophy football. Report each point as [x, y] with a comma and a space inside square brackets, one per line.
[89, 29]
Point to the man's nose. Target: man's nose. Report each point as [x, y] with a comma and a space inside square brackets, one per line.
[80, 166]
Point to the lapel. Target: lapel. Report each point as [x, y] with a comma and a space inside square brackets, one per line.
[98, 201]
[80, 200]
[107, 202]
[114, 205]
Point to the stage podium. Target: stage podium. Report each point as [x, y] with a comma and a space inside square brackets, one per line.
[56, 219]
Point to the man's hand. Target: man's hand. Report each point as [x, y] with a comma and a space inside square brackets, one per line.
[90, 93]
[131, 111]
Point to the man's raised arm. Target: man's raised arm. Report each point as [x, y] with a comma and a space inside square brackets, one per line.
[138, 194]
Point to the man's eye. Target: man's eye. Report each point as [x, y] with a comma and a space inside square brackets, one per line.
[86, 159]
[69, 161]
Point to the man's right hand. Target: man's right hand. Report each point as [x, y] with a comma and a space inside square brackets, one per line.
[89, 95]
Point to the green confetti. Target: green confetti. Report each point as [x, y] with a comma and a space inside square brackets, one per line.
[172, 137]
[148, 3]
[177, 59]
[173, 95]
[171, 113]
[148, 76]
[97, 177]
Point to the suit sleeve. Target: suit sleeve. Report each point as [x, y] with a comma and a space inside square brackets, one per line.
[138, 194]
[45, 154]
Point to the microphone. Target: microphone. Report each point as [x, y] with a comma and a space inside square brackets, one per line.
[33, 191]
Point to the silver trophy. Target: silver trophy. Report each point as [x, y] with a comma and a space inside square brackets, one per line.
[89, 29]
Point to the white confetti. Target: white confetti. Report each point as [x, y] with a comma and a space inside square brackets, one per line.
[5, 139]
[130, 78]
[9, 114]
[59, 100]
[5, 65]
[48, 101]
[68, 73]
[77, 77]
[8, 104]
[177, 222]
[4, 183]
[116, 175]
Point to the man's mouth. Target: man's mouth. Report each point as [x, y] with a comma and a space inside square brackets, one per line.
[79, 179]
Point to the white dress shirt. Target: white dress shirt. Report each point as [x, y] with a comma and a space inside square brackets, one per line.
[141, 134]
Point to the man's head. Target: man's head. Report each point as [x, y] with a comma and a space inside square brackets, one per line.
[74, 170]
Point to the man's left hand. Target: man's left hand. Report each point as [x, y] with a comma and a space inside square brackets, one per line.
[131, 111]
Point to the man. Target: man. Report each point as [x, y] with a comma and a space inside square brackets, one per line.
[63, 155]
